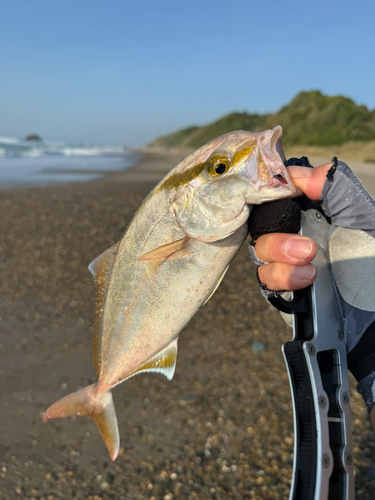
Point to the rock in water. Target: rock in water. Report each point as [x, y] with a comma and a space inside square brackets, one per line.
[33, 137]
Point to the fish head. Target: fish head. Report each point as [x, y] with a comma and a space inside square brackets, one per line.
[212, 191]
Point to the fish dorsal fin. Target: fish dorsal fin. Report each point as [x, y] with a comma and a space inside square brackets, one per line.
[164, 251]
[101, 269]
[216, 285]
[164, 362]
[104, 260]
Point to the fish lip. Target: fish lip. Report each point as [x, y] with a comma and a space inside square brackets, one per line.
[269, 149]
[277, 150]
[273, 153]
[276, 176]
[276, 142]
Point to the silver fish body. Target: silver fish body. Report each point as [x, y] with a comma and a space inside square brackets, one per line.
[149, 303]
[170, 261]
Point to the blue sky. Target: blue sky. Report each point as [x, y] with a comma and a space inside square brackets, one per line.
[125, 72]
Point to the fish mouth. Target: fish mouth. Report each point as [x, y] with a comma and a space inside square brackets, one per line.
[280, 179]
[265, 170]
[271, 159]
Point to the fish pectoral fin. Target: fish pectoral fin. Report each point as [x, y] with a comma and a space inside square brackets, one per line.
[101, 269]
[216, 286]
[164, 362]
[164, 251]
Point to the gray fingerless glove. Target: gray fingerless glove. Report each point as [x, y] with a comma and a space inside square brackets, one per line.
[351, 210]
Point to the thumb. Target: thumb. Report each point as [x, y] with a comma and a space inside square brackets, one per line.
[309, 180]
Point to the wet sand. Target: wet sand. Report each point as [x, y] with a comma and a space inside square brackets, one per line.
[222, 428]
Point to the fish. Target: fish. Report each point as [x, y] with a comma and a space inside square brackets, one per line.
[169, 263]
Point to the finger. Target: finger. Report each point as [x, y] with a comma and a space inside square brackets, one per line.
[287, 248]
[280, 276]
[309, 180]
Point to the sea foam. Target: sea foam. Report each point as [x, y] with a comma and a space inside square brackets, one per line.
[51, 162]
[17, 147]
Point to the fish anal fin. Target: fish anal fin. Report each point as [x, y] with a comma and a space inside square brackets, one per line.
[216, 285]
[101, 269]
[164, 362]
[165, 251]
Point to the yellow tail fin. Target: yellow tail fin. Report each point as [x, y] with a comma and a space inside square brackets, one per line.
[98, 406]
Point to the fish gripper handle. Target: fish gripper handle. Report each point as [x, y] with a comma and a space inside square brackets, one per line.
[316, 363]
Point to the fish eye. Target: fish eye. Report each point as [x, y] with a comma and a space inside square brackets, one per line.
[218, 164]
[220, 168]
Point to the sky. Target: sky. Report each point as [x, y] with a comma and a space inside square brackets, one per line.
[126, 72]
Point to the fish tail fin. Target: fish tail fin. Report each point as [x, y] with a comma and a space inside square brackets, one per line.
[99, 406]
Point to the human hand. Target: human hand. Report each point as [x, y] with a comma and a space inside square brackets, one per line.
[289, 266]
[289, 255]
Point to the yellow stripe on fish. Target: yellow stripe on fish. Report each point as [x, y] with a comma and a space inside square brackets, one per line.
[182, 178]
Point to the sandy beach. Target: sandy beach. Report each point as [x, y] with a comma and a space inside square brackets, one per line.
[221, 429]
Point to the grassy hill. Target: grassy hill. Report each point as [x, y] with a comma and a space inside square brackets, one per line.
[311, 118]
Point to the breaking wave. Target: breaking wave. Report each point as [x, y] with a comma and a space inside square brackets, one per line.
[10, 146]
[38, 163]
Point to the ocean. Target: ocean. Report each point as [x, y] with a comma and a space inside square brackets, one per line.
[43, 163]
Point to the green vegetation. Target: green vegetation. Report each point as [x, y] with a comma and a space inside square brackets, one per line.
[311, 118]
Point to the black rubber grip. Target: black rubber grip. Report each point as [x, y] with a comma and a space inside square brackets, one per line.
[281, 216]
[305, 431]
[361, 360]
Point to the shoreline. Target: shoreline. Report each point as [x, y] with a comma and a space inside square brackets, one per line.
[152, 165]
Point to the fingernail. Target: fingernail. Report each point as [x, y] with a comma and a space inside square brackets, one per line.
[297, 248]
[304, 273]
